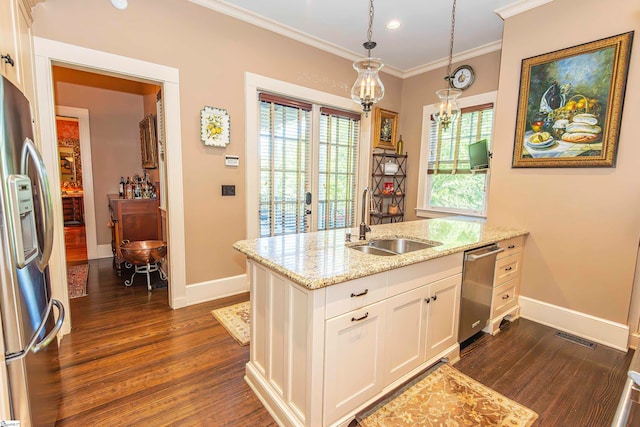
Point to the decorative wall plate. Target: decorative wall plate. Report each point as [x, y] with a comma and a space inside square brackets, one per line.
[214, 127]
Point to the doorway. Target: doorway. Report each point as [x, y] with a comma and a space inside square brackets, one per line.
[117, 106]
[49, 53]
[76, 183]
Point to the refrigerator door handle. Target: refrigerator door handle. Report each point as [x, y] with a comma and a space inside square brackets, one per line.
[30, 149]
[36, 347]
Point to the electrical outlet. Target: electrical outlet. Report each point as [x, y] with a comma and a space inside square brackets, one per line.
[228, 190]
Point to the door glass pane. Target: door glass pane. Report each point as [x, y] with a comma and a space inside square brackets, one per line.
[338, 153]
[284, 165]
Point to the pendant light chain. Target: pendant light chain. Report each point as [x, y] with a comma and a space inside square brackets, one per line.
[370, 31]
[453, 26]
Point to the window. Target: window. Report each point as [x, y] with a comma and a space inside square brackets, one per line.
[298, 166]
[448, 184]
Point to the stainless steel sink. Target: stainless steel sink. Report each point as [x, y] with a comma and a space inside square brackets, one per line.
[389, 247]
[401, 246]
[372, 251]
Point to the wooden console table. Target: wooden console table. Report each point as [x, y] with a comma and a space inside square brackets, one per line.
[133, 219]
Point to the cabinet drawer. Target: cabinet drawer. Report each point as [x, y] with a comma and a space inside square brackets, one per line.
[510, 246]
[504, 297]
[506, 269]
[413, 276]
[355, 294]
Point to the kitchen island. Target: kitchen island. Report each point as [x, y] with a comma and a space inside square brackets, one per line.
[333, 329]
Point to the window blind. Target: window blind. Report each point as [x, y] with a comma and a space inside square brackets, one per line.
[284, 144]
[449, 150]
[337, 167]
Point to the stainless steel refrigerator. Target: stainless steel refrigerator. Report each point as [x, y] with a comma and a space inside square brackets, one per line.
[31, 318]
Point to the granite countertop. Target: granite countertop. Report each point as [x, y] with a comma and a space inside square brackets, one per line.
[323, 258]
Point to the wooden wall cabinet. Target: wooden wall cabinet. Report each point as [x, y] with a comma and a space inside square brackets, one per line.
[133, 219]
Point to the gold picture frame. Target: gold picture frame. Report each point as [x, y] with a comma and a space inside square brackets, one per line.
[149, 142]
[385, 129]
[570, 105]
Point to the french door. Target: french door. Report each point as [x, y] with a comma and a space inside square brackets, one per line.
[308, 159]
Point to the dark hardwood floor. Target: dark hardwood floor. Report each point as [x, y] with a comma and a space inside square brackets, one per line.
[75, 243]
[130, 360]
[565, 383]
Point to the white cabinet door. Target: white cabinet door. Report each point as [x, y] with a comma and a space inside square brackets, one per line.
[444, 309]
[8, 40]
[354, 344]
[406, 332]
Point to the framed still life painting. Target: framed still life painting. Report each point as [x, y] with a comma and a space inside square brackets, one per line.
[385, 129]
[570, 105]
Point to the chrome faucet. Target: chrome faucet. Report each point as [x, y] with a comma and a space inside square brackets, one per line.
[363, 225]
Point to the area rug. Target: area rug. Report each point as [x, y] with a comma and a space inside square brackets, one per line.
[77, 280]
[236, 319]
[447, 397]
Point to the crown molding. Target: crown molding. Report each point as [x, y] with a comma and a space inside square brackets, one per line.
[268, 24]
[462, 56]
[519, 7]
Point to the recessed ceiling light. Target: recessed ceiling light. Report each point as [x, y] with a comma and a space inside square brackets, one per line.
[119, 4]
[393, 24]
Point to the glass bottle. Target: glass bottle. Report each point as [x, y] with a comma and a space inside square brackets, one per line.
[121, 188]
[400, 146]
[128, 189]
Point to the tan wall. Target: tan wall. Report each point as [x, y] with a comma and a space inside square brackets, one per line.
[212, 52]
[584, 223]
[419, 91]
[115, 141]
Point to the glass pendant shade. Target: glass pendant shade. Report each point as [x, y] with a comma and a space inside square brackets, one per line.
[448, 110]
[368, 88]
[120, 4]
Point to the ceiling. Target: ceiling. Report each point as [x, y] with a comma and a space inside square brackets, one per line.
[421, 42]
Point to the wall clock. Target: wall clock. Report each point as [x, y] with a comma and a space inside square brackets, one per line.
[462, 77]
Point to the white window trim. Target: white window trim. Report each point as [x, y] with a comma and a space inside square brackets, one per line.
[421, 202]
[255, 83]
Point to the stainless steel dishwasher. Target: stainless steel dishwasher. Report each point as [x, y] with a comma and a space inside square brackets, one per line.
[477, 287]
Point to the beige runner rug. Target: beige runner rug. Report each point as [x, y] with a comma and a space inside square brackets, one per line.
[236, 319]
[447, 397]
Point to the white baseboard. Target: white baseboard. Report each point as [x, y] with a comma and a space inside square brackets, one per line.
[634, 340]
[105, 251]
[215, 289]
[602, 331]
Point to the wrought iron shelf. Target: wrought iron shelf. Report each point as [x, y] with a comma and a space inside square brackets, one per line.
[382, 183]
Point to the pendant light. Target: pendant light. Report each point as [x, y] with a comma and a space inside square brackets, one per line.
[120, 4]
[368, 89]
[448, 110]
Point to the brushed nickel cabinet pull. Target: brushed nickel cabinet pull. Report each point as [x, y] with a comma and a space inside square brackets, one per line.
[353, 319]
[511, 246]
[505, 296]
[508, 269]
[366, 291]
